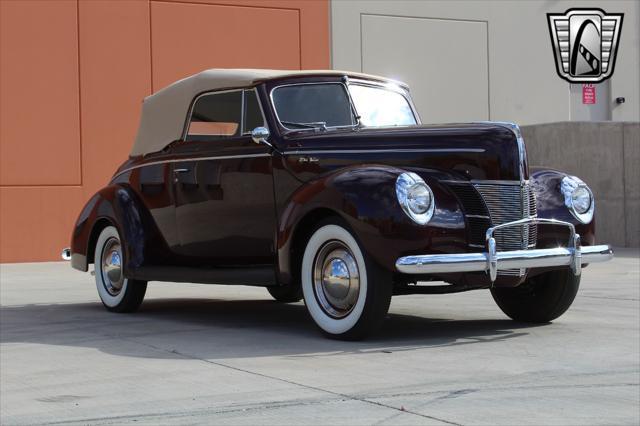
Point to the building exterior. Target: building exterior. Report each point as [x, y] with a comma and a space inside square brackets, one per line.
[73, 74]
[482, 60]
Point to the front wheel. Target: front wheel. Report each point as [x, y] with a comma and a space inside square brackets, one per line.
[346, 293]
[117, 293]
[540, 299]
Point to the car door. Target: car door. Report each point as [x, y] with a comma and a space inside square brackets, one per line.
[223, 185]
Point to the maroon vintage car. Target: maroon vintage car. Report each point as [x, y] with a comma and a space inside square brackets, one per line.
[324, 185]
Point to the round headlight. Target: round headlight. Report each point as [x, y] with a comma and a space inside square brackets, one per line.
[419, 198]
[581, 199]
[578, 198]
[415, 197]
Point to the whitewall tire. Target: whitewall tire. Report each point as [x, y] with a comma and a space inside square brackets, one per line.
[117, 293]
[346, 294]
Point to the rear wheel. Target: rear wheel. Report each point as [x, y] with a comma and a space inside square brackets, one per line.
[540, 299]
[346, 293]
[117, 293]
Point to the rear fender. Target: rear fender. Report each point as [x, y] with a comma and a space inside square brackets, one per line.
[119, 206]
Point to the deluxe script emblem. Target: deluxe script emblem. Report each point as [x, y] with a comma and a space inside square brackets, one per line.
[585, 43]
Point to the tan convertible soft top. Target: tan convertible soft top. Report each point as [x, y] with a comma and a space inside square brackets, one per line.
[164, 112]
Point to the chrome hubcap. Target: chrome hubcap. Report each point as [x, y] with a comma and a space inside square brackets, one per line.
[336, 279]
[112, 266]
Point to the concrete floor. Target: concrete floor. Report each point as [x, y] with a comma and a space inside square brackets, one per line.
[200, 354]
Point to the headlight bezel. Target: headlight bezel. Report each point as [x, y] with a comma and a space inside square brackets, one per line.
[410, 182]
[568, 187]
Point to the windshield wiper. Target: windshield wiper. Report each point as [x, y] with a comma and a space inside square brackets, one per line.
[313, 125]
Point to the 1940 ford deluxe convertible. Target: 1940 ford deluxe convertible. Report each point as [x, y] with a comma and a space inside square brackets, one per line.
[324, 185]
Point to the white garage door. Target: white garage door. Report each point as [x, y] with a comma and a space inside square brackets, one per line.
[444, 61]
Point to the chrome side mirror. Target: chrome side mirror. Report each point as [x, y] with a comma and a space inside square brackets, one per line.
[260, 135]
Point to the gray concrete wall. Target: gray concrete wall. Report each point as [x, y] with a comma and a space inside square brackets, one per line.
[482, 60]
[606, 155]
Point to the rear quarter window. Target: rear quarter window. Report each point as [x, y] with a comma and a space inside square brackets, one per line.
[216, 115]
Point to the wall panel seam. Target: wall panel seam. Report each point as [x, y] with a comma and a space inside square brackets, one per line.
[225, 5]
[299, 38]
[80, 138]
[361, 45]
[488, 75]
[42, 186]
[624, 189]
[151, 48]
[386, 15]
[330, 22]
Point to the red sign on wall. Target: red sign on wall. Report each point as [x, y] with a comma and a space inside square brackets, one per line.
[588, 94]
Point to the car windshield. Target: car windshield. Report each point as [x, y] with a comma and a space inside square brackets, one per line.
[327, 105]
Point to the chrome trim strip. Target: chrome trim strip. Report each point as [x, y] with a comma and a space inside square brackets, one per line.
[357, 116]
[487, 181]
[498, 182]
[242, 102]
[297, 152]
[375, 151]
[179, 160]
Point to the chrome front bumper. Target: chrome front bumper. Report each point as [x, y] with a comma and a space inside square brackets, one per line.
[491, 261]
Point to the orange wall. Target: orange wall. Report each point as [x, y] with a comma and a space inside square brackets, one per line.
[73, 75]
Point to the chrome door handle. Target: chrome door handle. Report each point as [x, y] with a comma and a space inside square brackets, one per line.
[176, 172]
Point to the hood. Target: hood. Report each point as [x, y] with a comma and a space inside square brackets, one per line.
[483, 151]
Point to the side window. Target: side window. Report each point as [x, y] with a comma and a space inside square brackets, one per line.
[252, 112]
[216, 116]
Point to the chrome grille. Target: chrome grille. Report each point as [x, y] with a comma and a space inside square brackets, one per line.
[507, 202]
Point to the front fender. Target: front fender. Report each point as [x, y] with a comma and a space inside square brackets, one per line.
[365, 197]
[550, 205]
[119, 206]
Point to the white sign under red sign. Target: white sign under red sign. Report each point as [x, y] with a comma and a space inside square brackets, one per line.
[588, 94]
